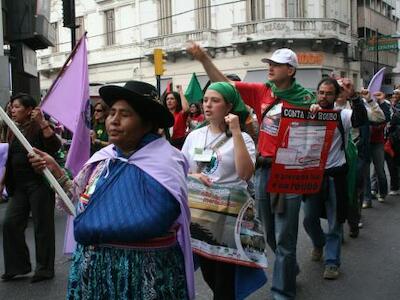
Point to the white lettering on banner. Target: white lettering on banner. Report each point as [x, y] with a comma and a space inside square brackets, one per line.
[292, 113]
[327, 116]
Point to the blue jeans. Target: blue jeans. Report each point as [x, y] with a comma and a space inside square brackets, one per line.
[281, 234]
[332, 239]
[378, 160]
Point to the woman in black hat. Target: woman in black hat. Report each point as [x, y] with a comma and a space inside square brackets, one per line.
[132, 224]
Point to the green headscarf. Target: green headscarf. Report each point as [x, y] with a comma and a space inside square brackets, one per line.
[295, 95]
[231, 95]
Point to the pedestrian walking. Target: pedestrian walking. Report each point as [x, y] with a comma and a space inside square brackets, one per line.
[132, 224]
[178, 106]
[281, 226]
[30, 193]
[230, 164]
[331, 201]
[98, 134]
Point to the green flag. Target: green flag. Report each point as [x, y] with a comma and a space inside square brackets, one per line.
[194, 93]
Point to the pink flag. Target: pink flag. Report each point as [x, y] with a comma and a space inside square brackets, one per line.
[68, 102]
[375, 84]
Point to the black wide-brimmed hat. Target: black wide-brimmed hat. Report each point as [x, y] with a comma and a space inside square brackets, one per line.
[143, 98]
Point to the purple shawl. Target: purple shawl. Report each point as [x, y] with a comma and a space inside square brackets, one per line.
[169, 167]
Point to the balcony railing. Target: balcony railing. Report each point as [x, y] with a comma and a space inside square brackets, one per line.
[291, 29]
[177, 41]
[53, 61]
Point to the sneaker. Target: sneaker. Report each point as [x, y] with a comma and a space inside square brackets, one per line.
[360, 224]
[374, 193]
[331, 272]
[367, 204]
[394, 193]
[381, 199]
[316, 254]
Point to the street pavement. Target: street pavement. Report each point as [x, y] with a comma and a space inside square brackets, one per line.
[370, 264]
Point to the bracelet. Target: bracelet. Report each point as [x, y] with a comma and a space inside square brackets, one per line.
[62, 180]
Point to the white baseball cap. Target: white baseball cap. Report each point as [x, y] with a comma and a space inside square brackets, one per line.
[283, 56]
[396, 91]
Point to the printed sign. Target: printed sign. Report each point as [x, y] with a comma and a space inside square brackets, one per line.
[304, 143]
[225, 226]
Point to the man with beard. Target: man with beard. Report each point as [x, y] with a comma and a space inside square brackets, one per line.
[331, 201]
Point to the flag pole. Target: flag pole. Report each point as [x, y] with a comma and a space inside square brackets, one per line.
[53, 182]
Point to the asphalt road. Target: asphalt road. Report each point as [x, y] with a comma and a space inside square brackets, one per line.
[370, 264]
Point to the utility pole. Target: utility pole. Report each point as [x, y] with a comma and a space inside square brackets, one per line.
[69, 19]
[73, 28]
[4, 67]
[377, 51]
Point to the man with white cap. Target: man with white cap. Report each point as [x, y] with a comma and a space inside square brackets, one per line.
[279, 213]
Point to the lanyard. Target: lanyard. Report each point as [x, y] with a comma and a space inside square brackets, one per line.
[212, 142]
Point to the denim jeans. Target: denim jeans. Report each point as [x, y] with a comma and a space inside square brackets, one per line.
[332, 239]
[378, 160]
[281, 234]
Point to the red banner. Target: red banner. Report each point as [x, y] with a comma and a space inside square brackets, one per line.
[304, 143]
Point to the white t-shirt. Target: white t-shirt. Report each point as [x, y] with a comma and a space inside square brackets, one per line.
[336, 156]
[221, 169]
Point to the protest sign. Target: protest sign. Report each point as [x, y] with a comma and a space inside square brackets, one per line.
[225, 226]
[304, 143]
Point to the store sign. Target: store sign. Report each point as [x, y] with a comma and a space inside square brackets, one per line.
[384, 44]
[310, 58]
[29, 62]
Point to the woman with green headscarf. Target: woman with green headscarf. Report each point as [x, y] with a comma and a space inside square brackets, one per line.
[219, 154]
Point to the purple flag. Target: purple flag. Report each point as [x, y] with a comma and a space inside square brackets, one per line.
[375, 84]
[3, 155]
[3, 160]
[68, 102]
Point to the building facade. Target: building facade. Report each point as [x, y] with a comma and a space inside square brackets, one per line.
[236, 33]
[377, 28]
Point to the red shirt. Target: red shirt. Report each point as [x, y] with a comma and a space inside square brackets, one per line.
[378, 134]
[179, 125]
[195, 120]
[258, 96]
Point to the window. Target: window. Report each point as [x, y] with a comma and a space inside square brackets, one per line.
[164, 8]
[110, 27]
[203, 14]
[295, 8]
[56, 47]
[255, 10]
[80, 30]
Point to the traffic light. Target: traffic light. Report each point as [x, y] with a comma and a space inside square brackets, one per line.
[159, 61]
[69, 13]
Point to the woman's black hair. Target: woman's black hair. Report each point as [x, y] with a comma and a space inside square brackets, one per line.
[26, 100]
[177, 98]
[197, 105]
[330, 81]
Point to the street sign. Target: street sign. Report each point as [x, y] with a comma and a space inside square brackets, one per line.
[385, 43]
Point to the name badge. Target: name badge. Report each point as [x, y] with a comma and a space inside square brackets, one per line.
[202, 155]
